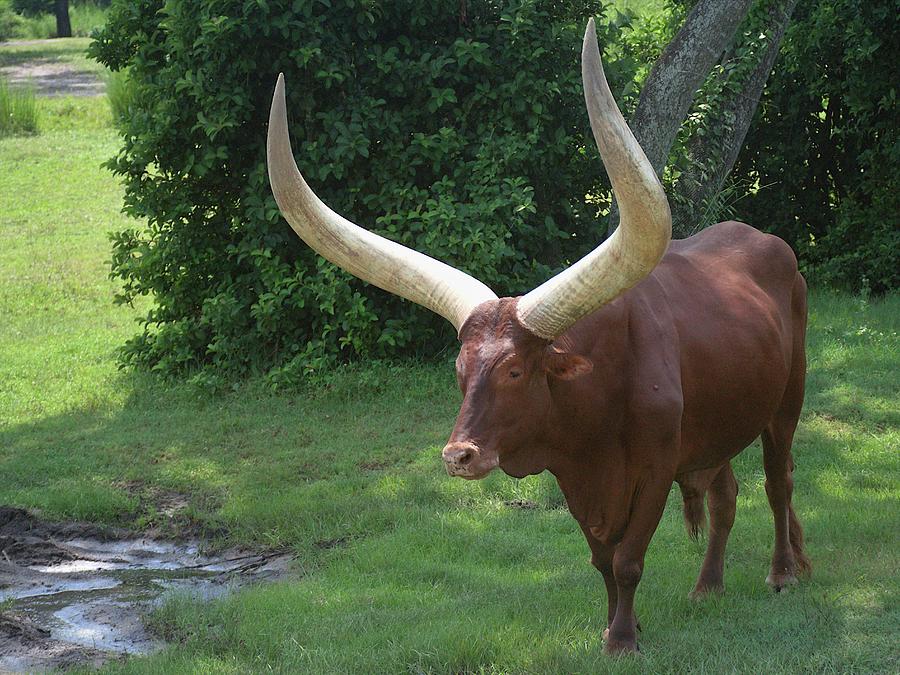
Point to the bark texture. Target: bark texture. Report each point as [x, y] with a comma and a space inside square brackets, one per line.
[63, 25]
[712, 156]
[684, 65]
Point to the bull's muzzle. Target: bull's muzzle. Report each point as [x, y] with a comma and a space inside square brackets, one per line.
[467, 460]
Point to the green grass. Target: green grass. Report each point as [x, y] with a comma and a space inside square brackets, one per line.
[119, 93]
[401, 569]
[18, 110]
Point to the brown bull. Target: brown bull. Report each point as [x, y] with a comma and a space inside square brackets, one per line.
[645, 363]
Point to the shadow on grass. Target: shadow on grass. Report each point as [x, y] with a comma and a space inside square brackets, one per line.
[461, 584]
[55, 79]
[252, 446]
[247, 448]
[45, 51]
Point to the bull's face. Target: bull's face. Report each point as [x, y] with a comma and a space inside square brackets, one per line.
[506, 377]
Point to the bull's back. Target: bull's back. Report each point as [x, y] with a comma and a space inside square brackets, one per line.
[729, 290]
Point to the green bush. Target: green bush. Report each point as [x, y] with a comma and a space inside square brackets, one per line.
[10, 22]
[32, 7]
[18, 110]
[461, 135]
[825, 146]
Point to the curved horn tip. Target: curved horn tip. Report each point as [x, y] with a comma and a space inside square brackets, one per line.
[590, 44]
[279, 86]
[279, 104]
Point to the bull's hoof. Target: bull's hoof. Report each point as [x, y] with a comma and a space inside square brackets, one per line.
[779, 582]
[605, 636]
[702, 591]
[621, 644]
[618, 647]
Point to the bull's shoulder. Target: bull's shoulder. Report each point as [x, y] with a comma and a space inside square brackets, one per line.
[733, 247]
[726, 264]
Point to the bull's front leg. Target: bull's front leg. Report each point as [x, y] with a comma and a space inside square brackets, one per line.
[628, 562]
[602, 559]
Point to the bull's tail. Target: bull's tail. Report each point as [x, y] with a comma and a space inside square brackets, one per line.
[694, 513]
[804, 566]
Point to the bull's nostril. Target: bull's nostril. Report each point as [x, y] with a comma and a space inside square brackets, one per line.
[460, 455]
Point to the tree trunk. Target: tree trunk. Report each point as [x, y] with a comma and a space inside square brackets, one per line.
[673, 82]
[685, 63]
[712, 155]
[63, 26]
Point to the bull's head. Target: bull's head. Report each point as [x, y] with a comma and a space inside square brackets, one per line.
[510, 354]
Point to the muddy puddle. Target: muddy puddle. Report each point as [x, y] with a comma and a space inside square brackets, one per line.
[75, 594]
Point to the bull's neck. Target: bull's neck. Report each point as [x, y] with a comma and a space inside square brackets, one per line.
[588, 456]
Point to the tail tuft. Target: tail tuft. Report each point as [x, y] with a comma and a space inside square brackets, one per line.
[804, 565]
[694, 515]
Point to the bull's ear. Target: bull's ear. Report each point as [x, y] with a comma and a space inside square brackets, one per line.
[566, 366]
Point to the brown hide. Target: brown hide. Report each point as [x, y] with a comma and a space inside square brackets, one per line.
[666, 383]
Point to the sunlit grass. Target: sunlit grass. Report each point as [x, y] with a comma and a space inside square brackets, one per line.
[68, 50]
[18, 110]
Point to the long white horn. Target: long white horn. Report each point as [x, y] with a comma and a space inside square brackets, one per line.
[390, 266]
[645, 228]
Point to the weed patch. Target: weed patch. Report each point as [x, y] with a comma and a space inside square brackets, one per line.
[18, 110]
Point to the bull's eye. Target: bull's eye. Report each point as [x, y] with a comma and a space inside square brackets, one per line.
[513, 374]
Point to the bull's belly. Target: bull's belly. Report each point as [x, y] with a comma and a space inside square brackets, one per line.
[730, 396]
[729, 416]
[702, 456]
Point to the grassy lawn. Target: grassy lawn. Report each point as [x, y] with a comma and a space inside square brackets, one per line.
[401, 569]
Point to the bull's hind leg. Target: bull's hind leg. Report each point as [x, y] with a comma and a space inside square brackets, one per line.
[788, 558]
[722, 498]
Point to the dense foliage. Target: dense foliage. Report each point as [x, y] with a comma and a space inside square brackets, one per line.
[32, 7]
[455, 128]
[10, 22]
[825, 147]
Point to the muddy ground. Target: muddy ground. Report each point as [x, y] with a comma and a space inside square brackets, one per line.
[76, 593]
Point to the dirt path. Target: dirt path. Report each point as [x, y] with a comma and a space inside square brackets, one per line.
[50, 73]
[54, 79]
